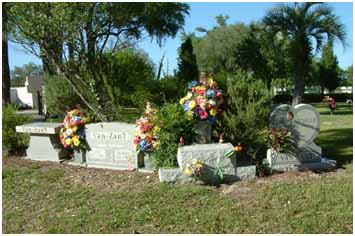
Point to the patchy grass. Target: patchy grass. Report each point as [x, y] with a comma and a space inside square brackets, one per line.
[336, 136]
[43, 197]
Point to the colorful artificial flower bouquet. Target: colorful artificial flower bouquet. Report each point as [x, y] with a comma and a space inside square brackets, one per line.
[72, 134]
[203, 100]
[280, 139]
[194, 169]
[146, 134]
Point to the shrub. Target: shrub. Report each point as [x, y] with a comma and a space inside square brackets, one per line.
[11, 140]
[246, 117]
[174, 124]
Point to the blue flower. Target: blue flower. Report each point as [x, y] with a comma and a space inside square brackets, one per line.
[186, 106]
[192, 84]
[212, 120]
[210, 93]
[76, 118]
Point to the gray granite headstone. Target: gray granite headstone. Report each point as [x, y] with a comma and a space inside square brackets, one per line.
[303, 121]
[212, 156]
[44, 141]
[111, 146]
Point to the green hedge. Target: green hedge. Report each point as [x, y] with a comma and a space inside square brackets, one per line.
[313, 98]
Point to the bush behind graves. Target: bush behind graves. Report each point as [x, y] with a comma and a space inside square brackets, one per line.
[173, 121]
[11, 140]
[59, 95]
[246, 117]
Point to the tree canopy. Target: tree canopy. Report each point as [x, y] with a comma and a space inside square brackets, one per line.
[301, 23]
[72, 37]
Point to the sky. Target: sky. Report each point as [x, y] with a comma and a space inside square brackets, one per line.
[203, 15]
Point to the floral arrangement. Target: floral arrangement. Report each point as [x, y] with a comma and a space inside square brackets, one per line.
[203, 100]
[280, 139]
[146, 134]
[72, 134]
[194, 169]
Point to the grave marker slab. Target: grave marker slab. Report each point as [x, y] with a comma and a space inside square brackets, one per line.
[111, 146]
[44, 141]
[212, 155]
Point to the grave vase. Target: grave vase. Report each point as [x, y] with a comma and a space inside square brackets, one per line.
[79, 156]
[203, 130]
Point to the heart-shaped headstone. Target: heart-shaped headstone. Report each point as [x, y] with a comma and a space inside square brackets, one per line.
[303, 121]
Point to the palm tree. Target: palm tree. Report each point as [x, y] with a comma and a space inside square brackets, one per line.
[301, 23]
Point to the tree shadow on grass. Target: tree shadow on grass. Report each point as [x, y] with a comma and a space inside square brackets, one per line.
[341, 109]
[337, 144]
[337, 112]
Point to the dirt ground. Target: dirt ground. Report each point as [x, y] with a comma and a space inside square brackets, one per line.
[109, 180]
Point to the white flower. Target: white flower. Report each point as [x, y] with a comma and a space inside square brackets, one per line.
[69, 132]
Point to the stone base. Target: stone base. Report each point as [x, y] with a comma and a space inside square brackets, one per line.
[173, 175]
[324, 164]
[176, 175]
[145, 170]
[108, 166]
[45, 147]
[77, 164]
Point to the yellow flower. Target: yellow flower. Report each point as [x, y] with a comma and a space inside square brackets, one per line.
[189, 95]
[85, 120]
[68, 141]
[182, 100]
[188, 171]
[136, 132]
[75, 138]
[156, 129]
[213, 112]
[75, 128]
[156, 144]
[190, 115]
[192, 104]
[76, 142]
[194, 161]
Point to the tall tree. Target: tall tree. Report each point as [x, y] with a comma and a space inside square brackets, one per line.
[187, 66]
[300, 23]
[95, 28]
[328, 70]
[5, 57]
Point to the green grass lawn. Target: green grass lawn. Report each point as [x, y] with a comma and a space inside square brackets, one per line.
[41, 197]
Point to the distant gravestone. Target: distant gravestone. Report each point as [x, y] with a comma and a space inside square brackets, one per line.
[303, 121]
[44, 141]
[111, 146]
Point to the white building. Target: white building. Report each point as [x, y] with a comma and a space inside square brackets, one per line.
[29, 94]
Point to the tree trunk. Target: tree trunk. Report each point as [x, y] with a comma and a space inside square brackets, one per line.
[6, 98]
[299, 90]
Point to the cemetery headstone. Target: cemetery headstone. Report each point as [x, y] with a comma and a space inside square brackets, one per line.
[110, 145]
[303, 121]
[212, 156]
[44, 141]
